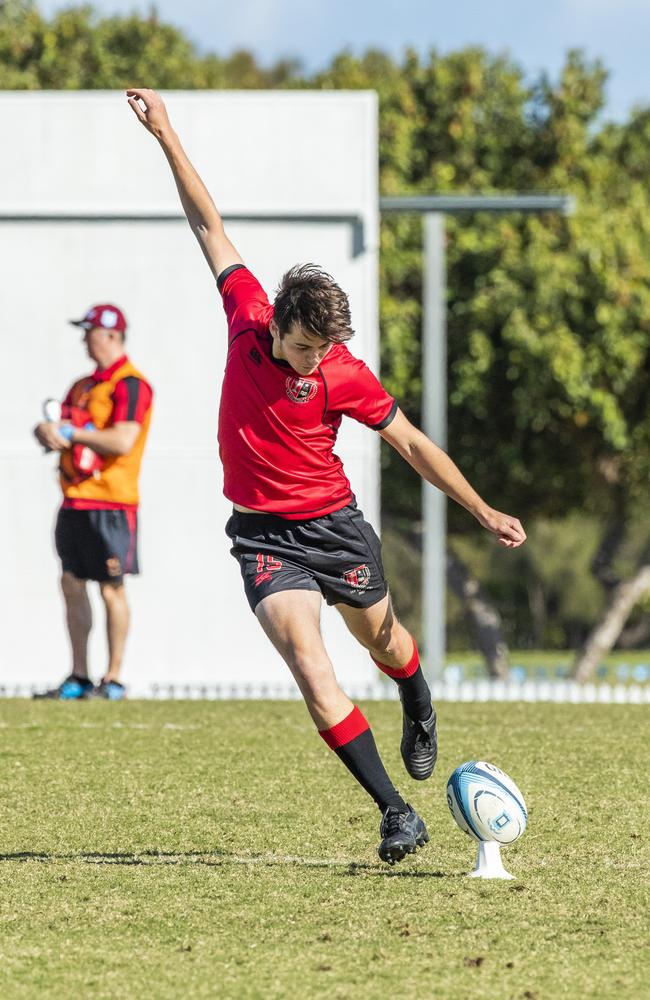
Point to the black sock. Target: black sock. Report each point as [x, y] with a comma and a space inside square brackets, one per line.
[413, 686]
[416, 696]
[352, 741]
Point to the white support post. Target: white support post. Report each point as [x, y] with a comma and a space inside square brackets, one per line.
[434, 422]
[489, 863]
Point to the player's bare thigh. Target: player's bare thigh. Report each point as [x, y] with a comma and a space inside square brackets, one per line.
[379, 631]
[291, 620]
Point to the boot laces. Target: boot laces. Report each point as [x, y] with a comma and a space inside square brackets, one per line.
[392, 822]
[422, 738]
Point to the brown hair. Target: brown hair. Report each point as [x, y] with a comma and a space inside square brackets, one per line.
[310, 297]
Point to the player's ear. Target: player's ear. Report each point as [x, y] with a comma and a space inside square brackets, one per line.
[273, 329]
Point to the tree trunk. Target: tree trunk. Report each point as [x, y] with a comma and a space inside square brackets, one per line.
[602, 564]
[635, 636]
[537, 605]
[604, 635]
[610, 544]
[483, 618]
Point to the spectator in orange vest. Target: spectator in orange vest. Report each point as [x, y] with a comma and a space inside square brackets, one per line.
[100, 433]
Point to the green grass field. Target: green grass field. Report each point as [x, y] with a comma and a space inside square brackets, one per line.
[195, 849]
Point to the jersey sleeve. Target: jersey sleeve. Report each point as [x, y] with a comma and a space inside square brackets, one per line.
[132, 397]
[245, 302]
[361, 395]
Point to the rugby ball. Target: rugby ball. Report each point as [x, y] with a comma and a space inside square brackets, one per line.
[486, 803]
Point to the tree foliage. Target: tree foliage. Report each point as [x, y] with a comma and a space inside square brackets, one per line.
[548, 317]
[78, 50]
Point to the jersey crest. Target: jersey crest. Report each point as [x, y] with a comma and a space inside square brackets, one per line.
[301, 390]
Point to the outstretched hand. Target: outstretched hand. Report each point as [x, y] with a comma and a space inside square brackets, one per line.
[149, 107]
[508, 529]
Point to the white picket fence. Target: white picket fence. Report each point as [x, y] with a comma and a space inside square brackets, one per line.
[559, 691]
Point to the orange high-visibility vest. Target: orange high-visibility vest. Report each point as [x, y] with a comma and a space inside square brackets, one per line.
[117, 482]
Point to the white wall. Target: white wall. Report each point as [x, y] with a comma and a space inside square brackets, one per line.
[80, 181]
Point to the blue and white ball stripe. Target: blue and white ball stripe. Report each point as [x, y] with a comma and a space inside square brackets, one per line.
[486, 803]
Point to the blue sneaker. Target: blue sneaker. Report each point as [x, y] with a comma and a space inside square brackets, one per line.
[71, 689]
[112, 690]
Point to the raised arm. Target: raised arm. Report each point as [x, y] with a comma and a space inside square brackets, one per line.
[202, 215]
[434, 465]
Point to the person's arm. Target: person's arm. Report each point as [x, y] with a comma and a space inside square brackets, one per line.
[202, 215]
[132, 398]
[434, 465]
[116, 440]
[47, 435]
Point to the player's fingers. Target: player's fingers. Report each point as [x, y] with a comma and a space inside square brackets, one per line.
[518, 532]
[137, 109]
[512, 528]
[510, 543]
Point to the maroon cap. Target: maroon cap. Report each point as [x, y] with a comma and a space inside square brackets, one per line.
[106, 316]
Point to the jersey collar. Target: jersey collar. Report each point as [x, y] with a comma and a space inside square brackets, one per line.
[105, 374]
[279, 362]
[285, 365]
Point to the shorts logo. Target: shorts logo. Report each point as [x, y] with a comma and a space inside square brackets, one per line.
[358, 578]
[266, 566]
[113, 566]
[301, 390]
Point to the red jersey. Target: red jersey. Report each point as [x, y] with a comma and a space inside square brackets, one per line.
[277, 429]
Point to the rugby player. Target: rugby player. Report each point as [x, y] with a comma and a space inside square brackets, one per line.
[296, 530]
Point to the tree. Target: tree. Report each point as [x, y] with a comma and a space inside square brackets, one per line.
[78, 50]
[548, 318]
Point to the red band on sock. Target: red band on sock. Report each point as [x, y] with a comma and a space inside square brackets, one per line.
[404, 671]
[346, 730]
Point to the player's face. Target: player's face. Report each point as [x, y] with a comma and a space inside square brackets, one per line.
[95, 341]
[303, 351]
[101, 344]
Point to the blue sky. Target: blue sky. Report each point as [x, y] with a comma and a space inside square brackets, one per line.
[537, 35]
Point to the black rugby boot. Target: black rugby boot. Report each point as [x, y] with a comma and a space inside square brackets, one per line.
[401, 833]
[419, 746]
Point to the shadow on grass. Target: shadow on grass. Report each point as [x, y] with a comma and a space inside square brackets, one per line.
[221, 858]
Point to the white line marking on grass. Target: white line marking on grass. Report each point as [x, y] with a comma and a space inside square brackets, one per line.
[169, 726]
[138, 725]
[217, 859]
[150, 858]
[20, 725]
[289, 859]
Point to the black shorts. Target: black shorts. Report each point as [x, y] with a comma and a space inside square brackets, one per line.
[97, 544]
[338, 555]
